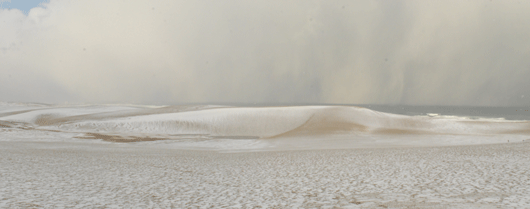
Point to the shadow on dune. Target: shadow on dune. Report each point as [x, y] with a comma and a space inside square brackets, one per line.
[323, 123]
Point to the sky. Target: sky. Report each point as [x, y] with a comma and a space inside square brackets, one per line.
[414, 52]
[22, 5]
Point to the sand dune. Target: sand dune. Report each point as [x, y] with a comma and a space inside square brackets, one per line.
[136, 123]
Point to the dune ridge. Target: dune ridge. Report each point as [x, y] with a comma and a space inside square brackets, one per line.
[153, 123]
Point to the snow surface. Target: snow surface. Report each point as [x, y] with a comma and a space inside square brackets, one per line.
[93, 175]
[247, 157]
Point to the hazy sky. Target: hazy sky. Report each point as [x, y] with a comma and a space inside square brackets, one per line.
[356, 52]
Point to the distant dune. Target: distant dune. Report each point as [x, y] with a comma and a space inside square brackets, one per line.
[143, 123]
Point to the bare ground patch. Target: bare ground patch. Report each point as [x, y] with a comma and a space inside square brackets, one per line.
[118, 138]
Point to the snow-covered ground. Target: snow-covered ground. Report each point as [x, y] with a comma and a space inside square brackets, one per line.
[247, 157]
[95, 175]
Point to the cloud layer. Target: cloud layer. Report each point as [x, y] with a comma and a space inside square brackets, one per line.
[174, 52]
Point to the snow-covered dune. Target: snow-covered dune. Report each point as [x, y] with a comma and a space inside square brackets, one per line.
[269, 122]
[42, 116]
[257, 122]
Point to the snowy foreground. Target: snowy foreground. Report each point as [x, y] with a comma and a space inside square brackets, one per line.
[123, 156]
[56, 175]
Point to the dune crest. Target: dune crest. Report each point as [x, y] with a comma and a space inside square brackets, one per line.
[153, 123]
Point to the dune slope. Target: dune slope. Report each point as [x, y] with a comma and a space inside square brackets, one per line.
[135, 123]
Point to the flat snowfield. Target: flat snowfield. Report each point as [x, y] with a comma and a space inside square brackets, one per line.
[91, 175]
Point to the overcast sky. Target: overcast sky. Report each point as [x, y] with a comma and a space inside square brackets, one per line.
[275, 52]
